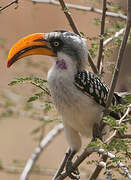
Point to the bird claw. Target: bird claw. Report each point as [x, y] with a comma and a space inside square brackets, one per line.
[72, 174]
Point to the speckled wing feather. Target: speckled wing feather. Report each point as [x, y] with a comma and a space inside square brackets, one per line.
[92, 86]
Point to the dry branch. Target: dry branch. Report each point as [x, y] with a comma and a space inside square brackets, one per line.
[116, 72]
[83, 8]
[108, 173]
[34, 156]
[117, 34]
[120, 58]
[9, 4]
[69, 17]
[98, 168]
[120, 121]
[89, 151]
[62, 165]
[100, 54]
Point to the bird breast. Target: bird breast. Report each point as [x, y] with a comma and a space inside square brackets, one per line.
[77, 109]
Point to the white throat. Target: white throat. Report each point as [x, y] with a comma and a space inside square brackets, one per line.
[63, 68]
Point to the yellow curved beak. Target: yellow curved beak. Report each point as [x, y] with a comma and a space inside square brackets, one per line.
[29, 45]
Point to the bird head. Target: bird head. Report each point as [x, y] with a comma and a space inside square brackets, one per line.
[55, 44]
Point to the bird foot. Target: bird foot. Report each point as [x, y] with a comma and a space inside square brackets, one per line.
[72, 174]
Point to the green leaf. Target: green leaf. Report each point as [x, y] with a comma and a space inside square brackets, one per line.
[35, 80]
[95, 144]
[128, 98]
[117, 145]
[37, 96]
[111, 121]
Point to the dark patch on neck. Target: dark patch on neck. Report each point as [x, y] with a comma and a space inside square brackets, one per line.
[61, 64]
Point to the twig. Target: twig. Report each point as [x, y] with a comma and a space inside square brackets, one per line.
[98, 168]
[120, 121]
[119, 59]
[46, 91]
[125, 136]
[93, 66]
[74, 28]
[57, 129]
[83, 8]
[9, 4]
[126, 120]
[69, 17]
[100, 54]
[62, 165]
[117, 34]
[77, 162]
[89, 151]
[108, 173]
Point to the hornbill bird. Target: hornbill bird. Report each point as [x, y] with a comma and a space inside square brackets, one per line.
[79, 95]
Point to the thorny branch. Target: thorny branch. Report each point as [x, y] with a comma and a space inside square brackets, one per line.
[69, 17]
[9, 4]
[127, 120]
[117, 70]
[98, 168]
[120, 58]
[108, 173]
[100, 54]
[89, 151]
[34, 156]
[62, 165]
[120, 121]
[83, 8]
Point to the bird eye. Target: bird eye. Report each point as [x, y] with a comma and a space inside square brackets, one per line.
[56, 43]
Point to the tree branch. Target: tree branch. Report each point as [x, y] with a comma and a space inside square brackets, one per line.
[126, 120]
[98, 168]
[69, 17]
[119, 59]
[89, 151]
[9, 4]
[117, 34]
[117, 68]
[37, 85]
[34, 156]
[108, 173]
[83, 8]
[62, 165]
[100, 54]
[125, 136]
[120, 121]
